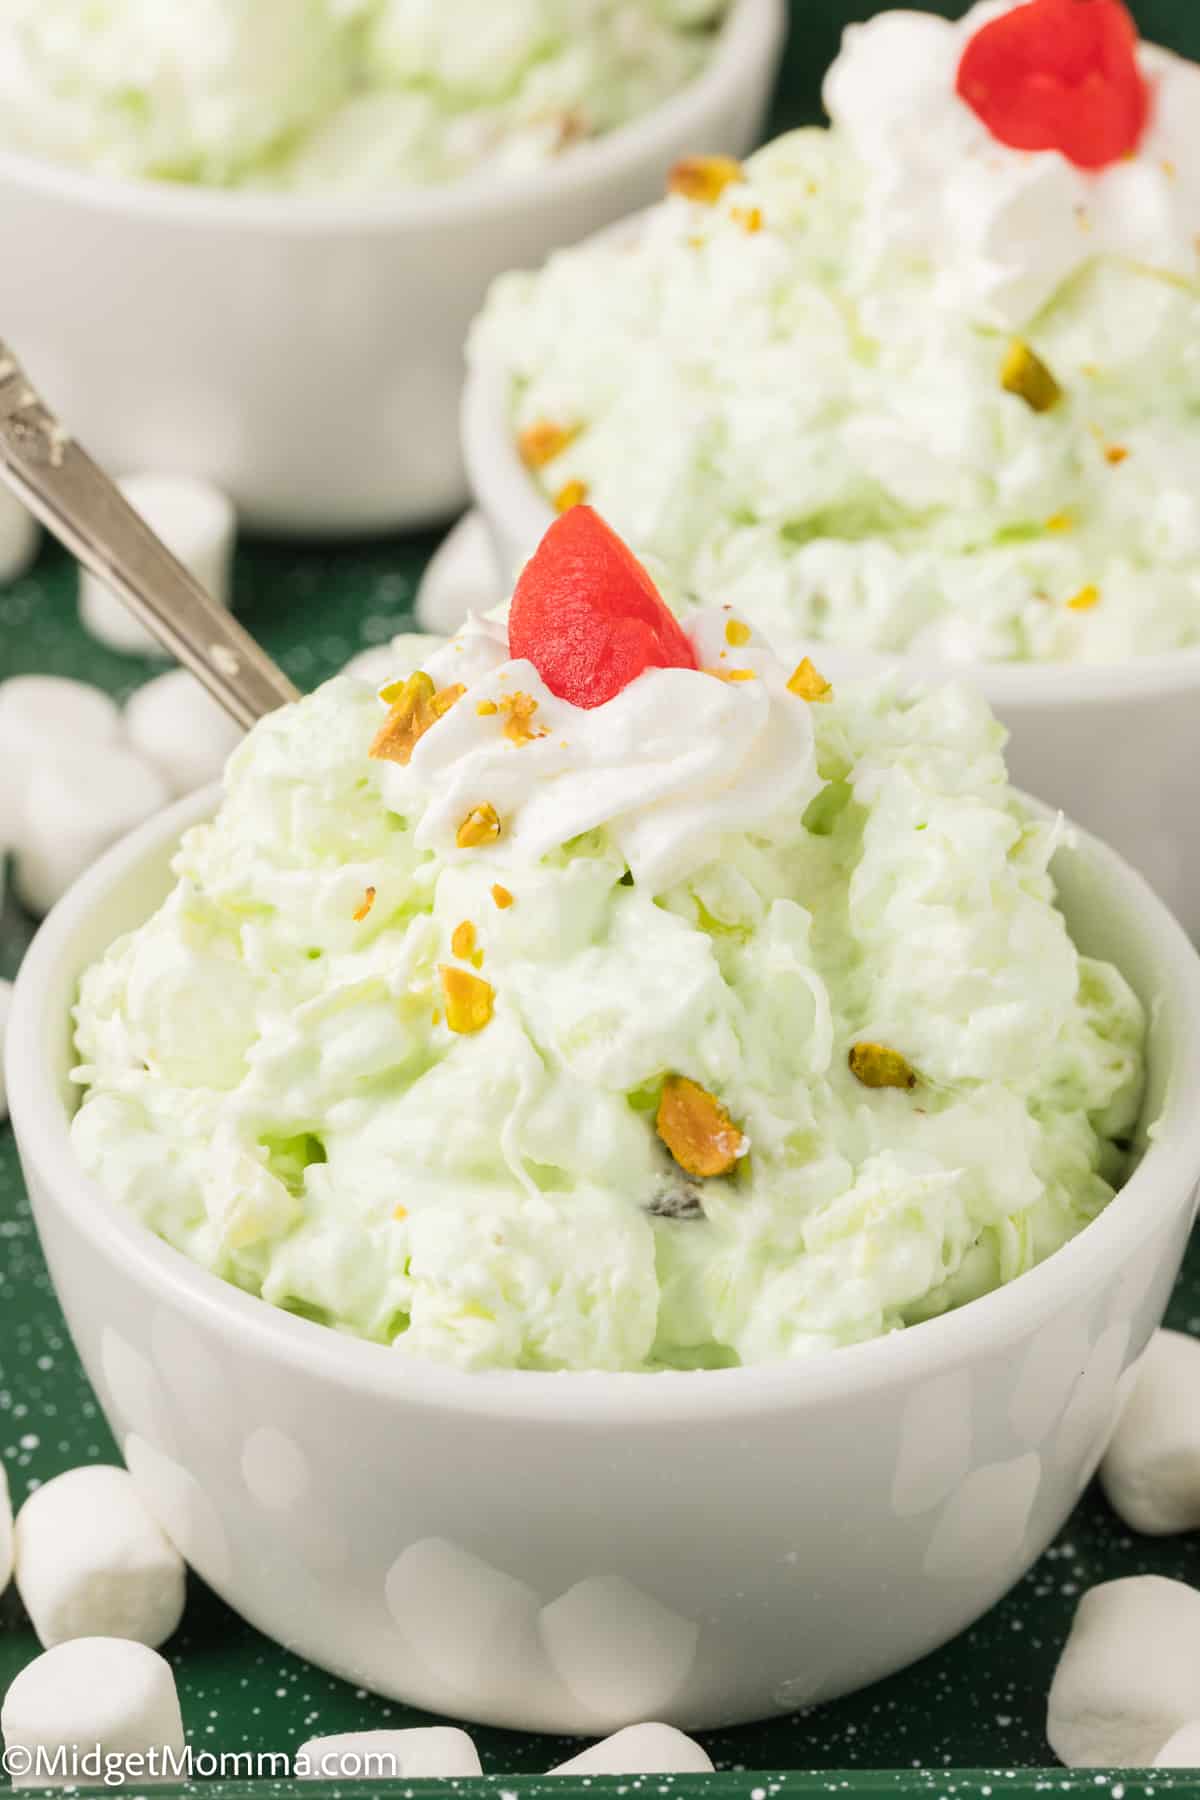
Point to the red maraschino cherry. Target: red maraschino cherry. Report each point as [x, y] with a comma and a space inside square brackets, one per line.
[1059, 75]
[587, 615]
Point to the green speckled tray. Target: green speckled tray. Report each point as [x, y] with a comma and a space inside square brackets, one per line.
[977, 1705]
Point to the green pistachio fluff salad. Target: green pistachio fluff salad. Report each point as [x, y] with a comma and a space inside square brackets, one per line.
[728, 1021]
[893, 385]
[343, 95]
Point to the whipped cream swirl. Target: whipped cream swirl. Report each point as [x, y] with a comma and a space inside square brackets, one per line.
[667, 767]
[1005, 228]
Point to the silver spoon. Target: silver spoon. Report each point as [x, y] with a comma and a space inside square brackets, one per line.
[87, 512]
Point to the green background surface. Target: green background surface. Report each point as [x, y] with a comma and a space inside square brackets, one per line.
[977, 1705]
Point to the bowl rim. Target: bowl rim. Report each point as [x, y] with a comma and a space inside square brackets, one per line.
[750, 38]
[1170, 1168]
[517, 511]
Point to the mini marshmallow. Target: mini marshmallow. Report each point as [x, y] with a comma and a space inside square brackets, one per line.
[95, 1692]
[384, 662]
[6, 1532]
[1182, 1751]
[79, 801]
[92, 1562]
[196, 521]
[39, 709]
[1129, 1676]
[437, 1750]
[641, 1750]
[6, 994]
[174, 722]
[19, 537]
[1151, 1472]
[461, 578]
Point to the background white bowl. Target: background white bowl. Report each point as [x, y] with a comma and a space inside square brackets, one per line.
[306, 354]
[1116, 747]
[574, 1552]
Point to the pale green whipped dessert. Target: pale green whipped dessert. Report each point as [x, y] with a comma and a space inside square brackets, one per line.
[728, 1021]
[335, 95]
[893, 385]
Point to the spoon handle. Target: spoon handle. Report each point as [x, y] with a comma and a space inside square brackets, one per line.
[87, 512]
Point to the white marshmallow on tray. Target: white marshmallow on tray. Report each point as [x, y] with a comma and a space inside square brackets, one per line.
[196, 521]
[175, 724]
[641, 1750]
[96, 1692]
[20, 535]
[1151, 1471]
[428, 1750]
[461, 578]
[1183, 1750]
[6, 994]
[78, 801]
[92, 1562]
[37, 709]
[6, 1532]
[1129, 1677]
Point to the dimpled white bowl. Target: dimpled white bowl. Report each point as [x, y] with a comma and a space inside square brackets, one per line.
[305, 353]
[573, 1553]
[1115, 746]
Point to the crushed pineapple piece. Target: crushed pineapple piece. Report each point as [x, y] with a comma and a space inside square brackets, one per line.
[400, 1212]
[487, 709]
[697, 1130]
[878, 1067]
[481, 826]
[1024, 374]
[501, 896]
[1085, 599]
[361, 911]
[447, 697]
[462, 940]
[808, 683]
[704, 178]
[1061, 521]
[469, 1000]
[737, 633]
[750, 218]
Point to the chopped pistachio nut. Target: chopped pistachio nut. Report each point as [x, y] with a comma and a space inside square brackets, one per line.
[704, 178]
[878, 1067]
[481, 826]
[807, 683]
[501, 896]
[411, 716]
[542, 441]
[737, 633]
[1085, 599]
[447, 697]
[518, 710]
[361, 911]
[697, 1130]
[462, 940]
[1024, 374]
[469, 1000]
[572, 493]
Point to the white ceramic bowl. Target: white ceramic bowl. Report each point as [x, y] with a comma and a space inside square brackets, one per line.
[574, 1552]
[1116, 747]
[306, 353]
